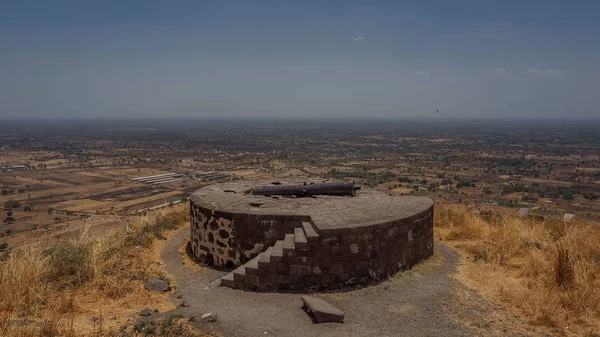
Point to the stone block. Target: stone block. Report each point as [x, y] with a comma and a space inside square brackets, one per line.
[158, 285]
[284, 279]
[296, 270]
[321, 310]
[336, 269]
[283, 268]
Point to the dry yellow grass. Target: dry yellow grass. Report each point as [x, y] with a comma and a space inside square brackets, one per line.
[548, 271]
[54, 288]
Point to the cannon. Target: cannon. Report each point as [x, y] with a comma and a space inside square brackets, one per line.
[307, 190]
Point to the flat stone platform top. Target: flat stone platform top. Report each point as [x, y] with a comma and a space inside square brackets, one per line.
[369, 207]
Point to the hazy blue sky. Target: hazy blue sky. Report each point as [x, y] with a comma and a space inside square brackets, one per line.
[326, 58]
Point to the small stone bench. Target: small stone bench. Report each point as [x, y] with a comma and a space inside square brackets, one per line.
[322, 310]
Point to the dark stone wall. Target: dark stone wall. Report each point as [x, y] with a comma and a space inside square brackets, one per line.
[337, 257]
[225, 238]
[355, 255]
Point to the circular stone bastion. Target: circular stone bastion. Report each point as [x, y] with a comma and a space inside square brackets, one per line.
[280, 243]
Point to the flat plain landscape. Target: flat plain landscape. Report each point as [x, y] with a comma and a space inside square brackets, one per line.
[510, 197]
[70, 178]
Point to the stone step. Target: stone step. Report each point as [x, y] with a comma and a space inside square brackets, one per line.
[227, 281]
[309, 230]
[289, 244]
[277, 252]
[300, 239]
[239, 274]
[252, 265]
[265, 259]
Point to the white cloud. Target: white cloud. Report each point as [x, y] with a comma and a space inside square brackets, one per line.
[549, 72]
[358, 38]
[503, 71]
[423, 73]
[554, 72]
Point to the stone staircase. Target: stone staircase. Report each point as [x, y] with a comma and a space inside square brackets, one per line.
[283, 266]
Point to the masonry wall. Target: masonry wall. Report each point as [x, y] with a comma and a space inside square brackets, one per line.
[355, 255]
[338, 257]
[232, 239]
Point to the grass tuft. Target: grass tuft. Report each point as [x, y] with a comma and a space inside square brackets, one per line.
[69, 264]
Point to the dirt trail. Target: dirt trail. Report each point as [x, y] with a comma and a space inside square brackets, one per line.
[424, 302]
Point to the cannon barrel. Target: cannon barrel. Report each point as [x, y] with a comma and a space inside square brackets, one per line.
[308, 189]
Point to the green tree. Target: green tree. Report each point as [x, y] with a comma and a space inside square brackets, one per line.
[10, 204]
[567, 195]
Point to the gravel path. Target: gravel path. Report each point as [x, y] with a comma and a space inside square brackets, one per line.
[424, 302]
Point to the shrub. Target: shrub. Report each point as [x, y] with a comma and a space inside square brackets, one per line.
[69, 264]
[10, 204]
[508, 189]
[563, 267]
[530, 198]
[567, 195]
[446, 182]
[465, 183]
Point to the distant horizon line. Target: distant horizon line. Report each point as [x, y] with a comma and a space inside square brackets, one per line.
[293, 118]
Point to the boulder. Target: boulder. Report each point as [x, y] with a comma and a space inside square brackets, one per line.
[157, 284]
[145, 312]
[321, 310]
[209, 317]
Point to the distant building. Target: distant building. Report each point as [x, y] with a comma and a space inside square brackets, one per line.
[524, 211]
[544, 216]
[527, 212]
[211, 175]
[159, 178]
[568, 217]
[19, 168]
